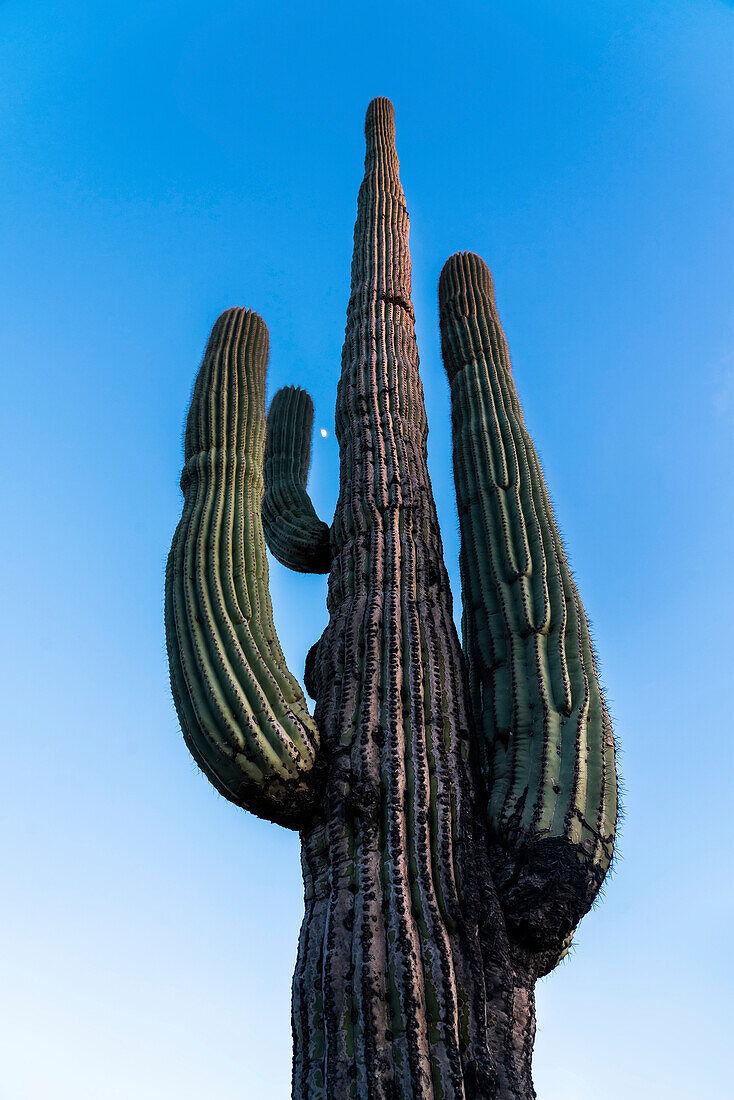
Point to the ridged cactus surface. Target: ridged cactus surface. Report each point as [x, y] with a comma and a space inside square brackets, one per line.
[456, 808]
[294, 533]
[394, 929]
[545, 737]
[243, 715]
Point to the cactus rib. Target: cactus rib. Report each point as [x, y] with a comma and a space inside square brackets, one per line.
[294, 533]
[546, 742]
[243, 715]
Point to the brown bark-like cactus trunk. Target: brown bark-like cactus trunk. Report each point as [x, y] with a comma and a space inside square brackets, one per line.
[389, 995]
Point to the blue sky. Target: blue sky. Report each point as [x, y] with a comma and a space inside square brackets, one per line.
[162, 161]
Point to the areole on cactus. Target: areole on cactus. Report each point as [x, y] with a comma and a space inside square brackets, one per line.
[456, 806]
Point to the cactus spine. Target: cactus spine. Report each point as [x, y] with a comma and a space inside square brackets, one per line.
[456, 809]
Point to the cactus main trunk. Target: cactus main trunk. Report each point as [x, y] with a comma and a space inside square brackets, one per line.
[389, 997]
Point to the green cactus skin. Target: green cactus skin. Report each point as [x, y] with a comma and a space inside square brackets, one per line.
[415, 974]
[547, 750]
[243, 715]
[294, 533]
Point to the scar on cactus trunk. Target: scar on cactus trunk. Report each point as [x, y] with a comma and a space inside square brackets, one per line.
[456, 802]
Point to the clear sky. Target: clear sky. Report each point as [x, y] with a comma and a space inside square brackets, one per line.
[165, 159]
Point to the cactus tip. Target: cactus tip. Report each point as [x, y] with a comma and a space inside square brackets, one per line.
[380, 116]
[236, 311]
[463, 268]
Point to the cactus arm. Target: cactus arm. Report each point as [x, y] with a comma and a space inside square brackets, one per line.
[243, 715]
[294, 533]
[546, 745]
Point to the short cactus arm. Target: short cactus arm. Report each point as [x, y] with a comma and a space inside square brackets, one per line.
[243, 715]
[294, 533]
[546, 744]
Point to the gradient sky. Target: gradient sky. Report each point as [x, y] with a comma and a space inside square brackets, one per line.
[164, 160]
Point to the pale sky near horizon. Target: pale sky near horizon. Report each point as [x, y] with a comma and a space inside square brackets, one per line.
[163, 161]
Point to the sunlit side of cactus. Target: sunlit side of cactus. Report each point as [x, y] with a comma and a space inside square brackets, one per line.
[456, 808]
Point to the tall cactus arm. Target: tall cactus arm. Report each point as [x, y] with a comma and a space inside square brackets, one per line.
[546, 744]
[243, 715]
[294, 533]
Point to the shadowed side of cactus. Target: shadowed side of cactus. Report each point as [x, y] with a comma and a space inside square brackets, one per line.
[547, 750]
[243, 715]
[294, 533]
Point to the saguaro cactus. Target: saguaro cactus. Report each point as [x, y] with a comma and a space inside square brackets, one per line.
[456, 808]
